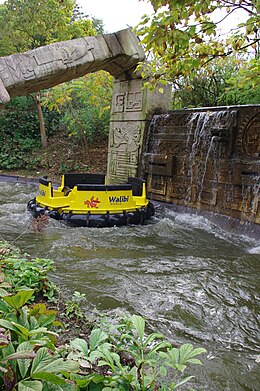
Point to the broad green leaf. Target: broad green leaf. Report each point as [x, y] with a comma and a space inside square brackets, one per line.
[28, 385]
[59, 365]
[42, 359]
[18, 300]
[97, 336]
[172, 356]
[139, 325]
[38, 308]
[14, 327]
[24, 363]
[44, 362]
[80, 345]
[50, 377]
[185, 351]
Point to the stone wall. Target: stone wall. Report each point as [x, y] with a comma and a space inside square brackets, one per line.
[208, 159]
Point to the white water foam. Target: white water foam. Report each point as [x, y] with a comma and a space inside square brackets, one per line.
[254, 250]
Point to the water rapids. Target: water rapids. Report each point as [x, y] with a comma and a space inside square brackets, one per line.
[191, 280]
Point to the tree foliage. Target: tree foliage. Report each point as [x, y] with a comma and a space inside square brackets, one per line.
[183, 35]
[84, 104]
[28, 24]
[19, 133]
[224, 81]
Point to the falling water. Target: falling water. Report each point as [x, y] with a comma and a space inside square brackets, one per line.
[203, 144]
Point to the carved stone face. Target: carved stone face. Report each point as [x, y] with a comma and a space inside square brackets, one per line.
[251, 138]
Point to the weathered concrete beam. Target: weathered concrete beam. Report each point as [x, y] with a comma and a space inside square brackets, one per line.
[47, 66]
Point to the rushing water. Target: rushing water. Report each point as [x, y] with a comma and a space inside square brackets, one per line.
[191, 280]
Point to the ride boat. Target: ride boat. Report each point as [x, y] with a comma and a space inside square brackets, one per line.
[86, 200]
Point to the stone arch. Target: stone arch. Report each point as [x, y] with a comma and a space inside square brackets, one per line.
[118, 54]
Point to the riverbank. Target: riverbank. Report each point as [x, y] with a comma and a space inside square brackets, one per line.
[64, 155]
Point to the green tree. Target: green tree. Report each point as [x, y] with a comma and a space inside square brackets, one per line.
[28, 24]
[224, 81]
[84, 104]
[182, 36]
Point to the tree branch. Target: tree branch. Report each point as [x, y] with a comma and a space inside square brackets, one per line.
[229, 52]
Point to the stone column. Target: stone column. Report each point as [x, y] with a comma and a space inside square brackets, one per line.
[132, 109]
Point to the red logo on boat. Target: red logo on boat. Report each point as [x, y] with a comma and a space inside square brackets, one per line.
[92, 203]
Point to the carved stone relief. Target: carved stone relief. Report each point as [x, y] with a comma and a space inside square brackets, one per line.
[124, 150]
[248, 134]
[46, 66]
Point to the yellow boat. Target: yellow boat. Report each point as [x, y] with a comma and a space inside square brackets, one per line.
[86, 200]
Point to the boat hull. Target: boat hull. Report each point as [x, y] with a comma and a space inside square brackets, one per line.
[95, 220]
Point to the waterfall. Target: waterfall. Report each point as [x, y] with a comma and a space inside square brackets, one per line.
[206, 138]
[205, 159]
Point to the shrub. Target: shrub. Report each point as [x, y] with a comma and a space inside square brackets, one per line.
[20, 133]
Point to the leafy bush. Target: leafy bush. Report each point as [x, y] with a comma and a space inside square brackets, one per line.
[20, 133]
[29, 359]
[228, 81]
[86, 124]
[21, 271]
[84, 105]
[128, 359]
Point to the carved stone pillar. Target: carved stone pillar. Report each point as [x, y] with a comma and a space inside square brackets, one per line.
[132, 109]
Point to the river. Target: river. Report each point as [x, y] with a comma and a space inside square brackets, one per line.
[191, 280]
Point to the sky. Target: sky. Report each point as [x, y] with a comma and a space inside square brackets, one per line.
[120, 14]
[116, 14]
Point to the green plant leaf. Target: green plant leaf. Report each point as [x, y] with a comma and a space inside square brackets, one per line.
[187, 352]
[44, 362]
[80, 345]
[24, 363]
[139, 325]
[152, 337]
[50, 377]
[42, 330]
[97, 336]
[172, 355]
[160, 345]
[42, 359]
[17, 328]
[28, 385]
[183, 381]
[18, 300]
